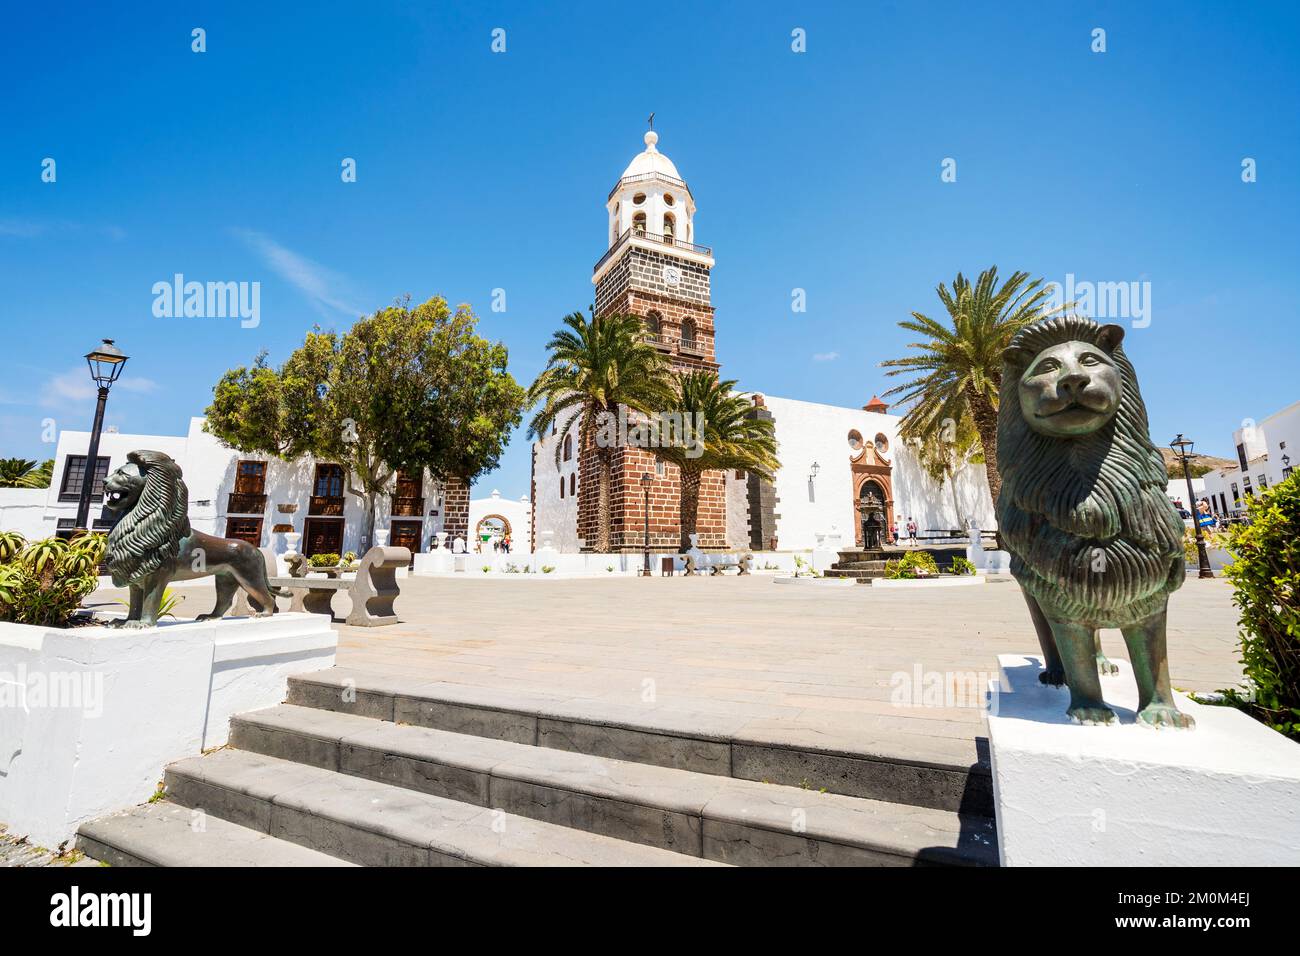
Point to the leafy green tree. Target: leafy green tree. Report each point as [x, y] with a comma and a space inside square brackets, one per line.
[402, 389]
[22, 473]
[594, 367]
[959, 369]
[710, 427]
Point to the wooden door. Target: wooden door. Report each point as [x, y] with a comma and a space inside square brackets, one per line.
[405, 534]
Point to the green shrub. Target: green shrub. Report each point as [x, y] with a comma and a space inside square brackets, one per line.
[961, 565]
[44, 582]
[11, 543]
[910, 564]
[327, 560]
[1266, 579]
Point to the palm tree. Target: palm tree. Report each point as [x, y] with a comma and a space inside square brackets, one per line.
[716, 433]
[594, 367]
[21, 473]
[961, 367]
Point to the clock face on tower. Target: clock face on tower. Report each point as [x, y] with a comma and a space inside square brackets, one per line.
[672, 275]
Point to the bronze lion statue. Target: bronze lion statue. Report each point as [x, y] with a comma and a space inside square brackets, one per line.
[1094, 540]
[152, 544]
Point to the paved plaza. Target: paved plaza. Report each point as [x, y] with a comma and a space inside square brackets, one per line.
[850, 669]
[809, 665]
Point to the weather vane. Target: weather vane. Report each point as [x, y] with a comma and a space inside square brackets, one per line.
[651, 121]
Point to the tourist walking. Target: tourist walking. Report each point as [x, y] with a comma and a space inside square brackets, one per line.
[911, 532]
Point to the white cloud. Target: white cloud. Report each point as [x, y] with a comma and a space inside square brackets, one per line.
[74, 387]
[825, 356]
[32, 228]
[70, 386]
[131, 383]
[324, 288]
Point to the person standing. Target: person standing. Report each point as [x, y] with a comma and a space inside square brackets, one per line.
[911, 532]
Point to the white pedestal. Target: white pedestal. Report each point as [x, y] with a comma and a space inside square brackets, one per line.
[90, 716]
[1224, 794]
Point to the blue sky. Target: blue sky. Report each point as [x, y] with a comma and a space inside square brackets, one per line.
[817, 170]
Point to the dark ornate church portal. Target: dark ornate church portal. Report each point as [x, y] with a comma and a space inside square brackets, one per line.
[871, 514]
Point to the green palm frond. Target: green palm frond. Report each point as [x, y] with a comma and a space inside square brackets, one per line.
[719, 431]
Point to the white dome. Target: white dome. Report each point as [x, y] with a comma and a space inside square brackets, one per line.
[651, 161]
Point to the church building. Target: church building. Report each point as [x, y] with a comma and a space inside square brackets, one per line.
[838, 464]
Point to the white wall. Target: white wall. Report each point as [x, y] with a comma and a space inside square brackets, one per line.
[23, 510]
[809, 432]
[553, 513]
[90, 716]
[517, 512]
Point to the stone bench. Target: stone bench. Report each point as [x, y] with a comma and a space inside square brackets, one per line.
[373, 590]
[718, 561]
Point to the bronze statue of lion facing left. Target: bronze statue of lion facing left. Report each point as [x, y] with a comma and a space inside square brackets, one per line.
[152, 544]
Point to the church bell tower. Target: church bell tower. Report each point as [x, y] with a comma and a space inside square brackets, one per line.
[655, 269]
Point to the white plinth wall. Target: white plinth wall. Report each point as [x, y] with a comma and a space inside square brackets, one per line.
[1224, 794]
[90, 716]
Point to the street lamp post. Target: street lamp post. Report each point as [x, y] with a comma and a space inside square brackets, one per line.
[106, 364]
[1182, 447]
[646, 480]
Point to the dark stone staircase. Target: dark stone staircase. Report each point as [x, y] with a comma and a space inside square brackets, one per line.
[386, 771]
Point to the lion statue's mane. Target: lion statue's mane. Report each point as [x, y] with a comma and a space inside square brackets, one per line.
[1092, 534]
[151, 532]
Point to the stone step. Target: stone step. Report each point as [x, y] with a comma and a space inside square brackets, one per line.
[165, 834]
[935, 772]
[372, 823]
[858, 573]
[697, 814]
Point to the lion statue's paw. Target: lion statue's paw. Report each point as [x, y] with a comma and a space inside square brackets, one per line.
[1104, 665]
[1053, 677]
[1164, 715]
[1091, 715]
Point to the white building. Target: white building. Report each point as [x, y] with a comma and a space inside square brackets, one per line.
[251, 497]
[1265, 456]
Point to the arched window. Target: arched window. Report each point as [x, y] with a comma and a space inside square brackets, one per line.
[688, 334]
[568, 447]
[654, 324]
[638, 224]
[573, 483]
[561, 486]
[670, 227]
